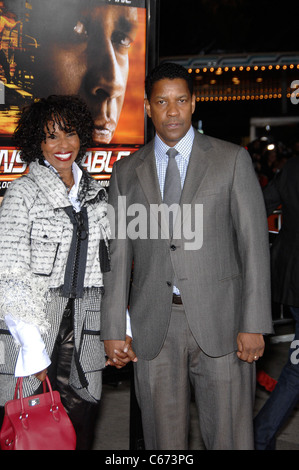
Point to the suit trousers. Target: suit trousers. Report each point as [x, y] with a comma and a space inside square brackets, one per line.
[224, 389]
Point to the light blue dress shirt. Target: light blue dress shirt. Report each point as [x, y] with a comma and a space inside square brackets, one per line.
[184, 147]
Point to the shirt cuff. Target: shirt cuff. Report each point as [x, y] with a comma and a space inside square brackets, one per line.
[33, 356]
[128, 323]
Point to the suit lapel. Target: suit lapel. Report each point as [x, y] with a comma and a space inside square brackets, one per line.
[148, 178]
[197, 168]
[196, 172]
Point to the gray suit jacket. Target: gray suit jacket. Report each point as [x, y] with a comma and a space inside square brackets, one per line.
[224, 284]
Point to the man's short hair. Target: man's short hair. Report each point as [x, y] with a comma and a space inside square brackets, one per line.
[170, 71]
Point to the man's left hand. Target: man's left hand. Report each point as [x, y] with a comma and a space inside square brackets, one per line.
[250, 346]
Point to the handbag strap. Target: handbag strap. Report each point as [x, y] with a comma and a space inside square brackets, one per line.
[54, 409]
[19, 388]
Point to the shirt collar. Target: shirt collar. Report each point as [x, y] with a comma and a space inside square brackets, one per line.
[184, 146]
[77, 174]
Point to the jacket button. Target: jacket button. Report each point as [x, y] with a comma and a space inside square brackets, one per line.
[168, 283]
[173, 247]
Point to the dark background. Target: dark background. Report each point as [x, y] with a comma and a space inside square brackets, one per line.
[191, 27]
[203, 27]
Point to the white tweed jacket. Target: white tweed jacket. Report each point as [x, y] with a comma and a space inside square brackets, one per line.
[35, 239]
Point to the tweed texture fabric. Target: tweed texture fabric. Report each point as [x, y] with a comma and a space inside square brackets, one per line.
[35, 240]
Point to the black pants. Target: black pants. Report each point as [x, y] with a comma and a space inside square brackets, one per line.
[83, 414]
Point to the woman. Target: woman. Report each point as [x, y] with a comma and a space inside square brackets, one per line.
[54, 248]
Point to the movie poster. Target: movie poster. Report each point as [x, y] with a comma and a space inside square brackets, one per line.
[94, 48]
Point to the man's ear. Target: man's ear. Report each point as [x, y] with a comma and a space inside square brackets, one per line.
[147, 107]
[193, 98]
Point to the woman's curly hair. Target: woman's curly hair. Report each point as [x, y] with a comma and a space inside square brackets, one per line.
[67, 112]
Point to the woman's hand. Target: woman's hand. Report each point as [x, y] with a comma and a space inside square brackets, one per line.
[41, 375]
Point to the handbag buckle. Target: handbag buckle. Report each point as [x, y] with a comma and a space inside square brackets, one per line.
[34, 402]
[9, 442]
[23, 417]
[55, 412]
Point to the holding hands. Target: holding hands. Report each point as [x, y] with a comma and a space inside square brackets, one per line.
[119, 352]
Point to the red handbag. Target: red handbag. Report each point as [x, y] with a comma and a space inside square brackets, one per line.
[38, 422]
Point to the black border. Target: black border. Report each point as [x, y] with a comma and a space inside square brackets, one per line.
[152, 52]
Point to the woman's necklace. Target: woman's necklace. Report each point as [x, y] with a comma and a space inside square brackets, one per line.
[70, 184]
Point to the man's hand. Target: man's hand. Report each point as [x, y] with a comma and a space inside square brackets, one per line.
[250, 346]
[119, 352]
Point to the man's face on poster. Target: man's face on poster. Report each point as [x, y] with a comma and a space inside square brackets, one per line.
[86, 53]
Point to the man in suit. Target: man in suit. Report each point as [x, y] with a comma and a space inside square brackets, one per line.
[197, 311]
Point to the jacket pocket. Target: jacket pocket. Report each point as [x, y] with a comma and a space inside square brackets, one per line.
[91, 352]
[45, 240]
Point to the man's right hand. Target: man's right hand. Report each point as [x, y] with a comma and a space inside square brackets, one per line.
[119, 352]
